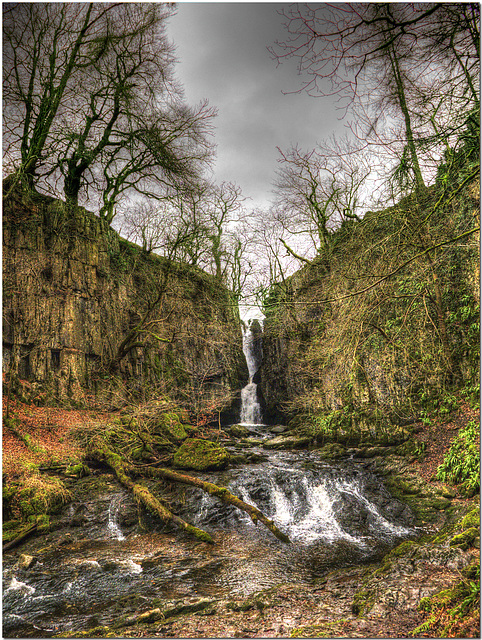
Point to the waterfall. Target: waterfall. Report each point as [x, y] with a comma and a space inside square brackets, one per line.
[112, 524]
[250, 407]
[323, 503]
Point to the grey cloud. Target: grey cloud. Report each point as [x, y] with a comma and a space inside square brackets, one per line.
[223, 55]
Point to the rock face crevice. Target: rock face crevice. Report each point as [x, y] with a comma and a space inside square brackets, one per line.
[73, 289]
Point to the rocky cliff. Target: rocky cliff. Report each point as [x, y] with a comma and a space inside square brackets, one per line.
[382, 324]
[86, 312]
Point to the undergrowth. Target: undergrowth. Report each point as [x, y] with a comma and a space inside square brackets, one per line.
[453, 613]
[461, 464]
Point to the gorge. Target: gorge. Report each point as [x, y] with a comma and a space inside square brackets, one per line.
[341, 469]
[174, 466]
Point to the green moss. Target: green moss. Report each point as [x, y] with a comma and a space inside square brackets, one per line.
[465, 539]
[12, 528]
[448, 609]
[79, 470]
[404, 549]
[472, 519]
[201, 455]
[41, 495]
[169, 424]
[363, 601]
[95, 632]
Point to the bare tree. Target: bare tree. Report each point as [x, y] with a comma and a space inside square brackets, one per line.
[91, 100]
[45, 46]
[376, 58]
[315, 192]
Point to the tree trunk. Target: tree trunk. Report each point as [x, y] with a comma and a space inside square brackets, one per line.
[21, 536]
[145, 497]
[222, 494]
[419, 182]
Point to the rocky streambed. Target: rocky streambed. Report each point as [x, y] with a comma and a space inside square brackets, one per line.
[360, 560]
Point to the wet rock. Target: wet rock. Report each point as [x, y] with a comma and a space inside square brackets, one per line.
[191, 606]
[279, 428]
[89, 565]
[252, 442]
[286, 442]
[25, 561]
[153, 615]
[256, 457]
[128, 516]
[152, 561]
[79, 517]
[238, 431]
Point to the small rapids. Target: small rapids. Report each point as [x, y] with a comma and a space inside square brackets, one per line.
[335, 515]
[315, 503]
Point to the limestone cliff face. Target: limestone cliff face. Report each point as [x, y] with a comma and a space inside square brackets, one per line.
[74, 291]
[341, 338]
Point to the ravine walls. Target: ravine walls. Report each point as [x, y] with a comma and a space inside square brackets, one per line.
[86, 312]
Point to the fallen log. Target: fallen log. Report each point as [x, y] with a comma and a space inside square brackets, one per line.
[20, 538]
[222, 494]
[144, 496]
[121, 468]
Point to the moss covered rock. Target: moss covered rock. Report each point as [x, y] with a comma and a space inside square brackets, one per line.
[472, 519]
[332, 451]
[287, 442]
[200, 455]
[465, 539]
[170, 426]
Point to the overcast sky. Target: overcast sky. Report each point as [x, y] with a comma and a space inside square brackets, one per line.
[223, 56]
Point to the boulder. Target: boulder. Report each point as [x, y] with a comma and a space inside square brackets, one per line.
[25, 561]
[279, 428]
[200, 455]
[238, 431]
[286, 442]
[169, 425]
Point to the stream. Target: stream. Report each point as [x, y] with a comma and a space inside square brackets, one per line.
[335, 515]
[102, 565]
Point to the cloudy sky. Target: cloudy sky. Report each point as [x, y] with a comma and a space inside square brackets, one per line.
[223, 56]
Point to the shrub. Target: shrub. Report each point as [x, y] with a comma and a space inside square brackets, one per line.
[461, 464]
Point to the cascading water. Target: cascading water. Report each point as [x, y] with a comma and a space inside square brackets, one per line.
[335, 514]
[252, 349]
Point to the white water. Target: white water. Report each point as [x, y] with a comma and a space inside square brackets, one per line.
[21, 587]
[315, 505]
[250, 407]
[112, 524]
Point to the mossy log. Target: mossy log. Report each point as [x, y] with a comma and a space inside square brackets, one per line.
[20, 538]
[121, 468]
[222, 494]
[144, 496]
